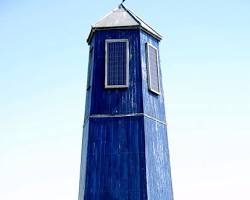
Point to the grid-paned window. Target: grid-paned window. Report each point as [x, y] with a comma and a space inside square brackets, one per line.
[153, 69]
[117, 63]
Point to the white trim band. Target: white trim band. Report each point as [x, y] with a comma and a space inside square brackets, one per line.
[124, 115]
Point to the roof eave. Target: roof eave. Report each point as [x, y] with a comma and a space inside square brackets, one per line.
[93, 29]
[156, 36]
[90, 35]
[151, 31]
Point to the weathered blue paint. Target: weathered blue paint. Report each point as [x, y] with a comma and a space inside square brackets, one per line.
[84, 159]
[125, 148]
[117, 101]
[116, 159]
[159, 185]
[90, 72]
[153, 103]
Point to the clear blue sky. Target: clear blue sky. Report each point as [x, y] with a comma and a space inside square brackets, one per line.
[205, 57]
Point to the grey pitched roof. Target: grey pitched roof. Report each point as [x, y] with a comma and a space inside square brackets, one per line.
[122, 17]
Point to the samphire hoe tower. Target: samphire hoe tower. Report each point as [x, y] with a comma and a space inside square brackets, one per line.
[125, 147]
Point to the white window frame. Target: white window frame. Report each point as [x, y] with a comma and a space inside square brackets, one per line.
[149, 67]
[107, 41]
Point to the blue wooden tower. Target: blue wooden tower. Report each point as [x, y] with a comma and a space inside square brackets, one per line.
[125, 148]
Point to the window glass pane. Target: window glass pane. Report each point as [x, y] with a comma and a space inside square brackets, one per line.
[153, 69]
[116, 63]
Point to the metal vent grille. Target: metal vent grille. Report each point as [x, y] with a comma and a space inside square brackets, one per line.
[153, 69]
[116, 64]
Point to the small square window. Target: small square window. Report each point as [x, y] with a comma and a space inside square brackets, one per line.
[153, 69]
[116, 63]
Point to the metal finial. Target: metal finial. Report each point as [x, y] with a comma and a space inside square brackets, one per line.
[121, 3]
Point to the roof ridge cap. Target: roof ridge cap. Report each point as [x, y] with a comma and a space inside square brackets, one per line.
[131, 14]
[140, 20]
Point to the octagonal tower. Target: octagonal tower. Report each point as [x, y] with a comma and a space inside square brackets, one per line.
[125, 152]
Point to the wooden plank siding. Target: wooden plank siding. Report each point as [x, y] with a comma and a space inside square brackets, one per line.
[117, 101]
[125, 148]
[116, 159]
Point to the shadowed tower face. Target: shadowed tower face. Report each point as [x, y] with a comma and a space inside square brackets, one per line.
[125, 147]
